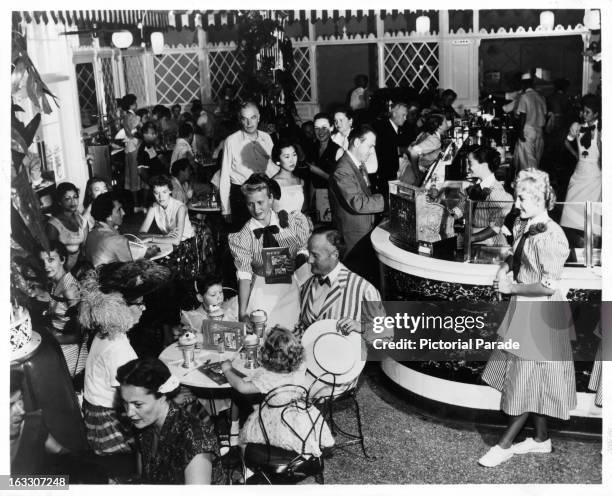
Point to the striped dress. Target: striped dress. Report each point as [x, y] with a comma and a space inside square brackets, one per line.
[280, 301]
[540, 377]
[59, 306]
[492, 213]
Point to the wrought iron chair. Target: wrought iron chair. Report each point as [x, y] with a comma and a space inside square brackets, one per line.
[327, 395]
[272, 464]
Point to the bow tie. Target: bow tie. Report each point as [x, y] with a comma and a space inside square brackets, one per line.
[477, 193]
[324, 280]
[268, 235]
[587, 136]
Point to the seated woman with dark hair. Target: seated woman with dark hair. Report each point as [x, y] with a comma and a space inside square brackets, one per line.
[63, 296]
[170, 216]
[94, 188]
[173, 445]
[180, 172]
[67, 225]
[104, 243]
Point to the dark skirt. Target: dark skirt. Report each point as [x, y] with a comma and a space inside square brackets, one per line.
[183, 261]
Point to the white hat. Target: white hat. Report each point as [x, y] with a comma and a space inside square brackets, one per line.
[526, 75]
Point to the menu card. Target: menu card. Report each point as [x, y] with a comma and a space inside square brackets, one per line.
[278, 265]
[228, 332]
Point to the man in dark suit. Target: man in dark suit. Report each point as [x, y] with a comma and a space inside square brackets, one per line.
[352, 203]
[391, 144]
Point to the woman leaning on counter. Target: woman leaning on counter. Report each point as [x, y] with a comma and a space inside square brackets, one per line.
[491, 203]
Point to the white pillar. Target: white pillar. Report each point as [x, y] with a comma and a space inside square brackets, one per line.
[312, 52]
[587, 65]
[205, 89]
[380, 33]
[148, 68]
[52, 55]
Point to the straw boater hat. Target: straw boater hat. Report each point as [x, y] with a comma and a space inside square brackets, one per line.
[133, 279]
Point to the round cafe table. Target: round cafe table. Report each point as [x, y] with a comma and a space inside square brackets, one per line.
[201, 385]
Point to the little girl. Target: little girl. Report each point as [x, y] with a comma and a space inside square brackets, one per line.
[209, 292]
[282, 359]
[291, 187]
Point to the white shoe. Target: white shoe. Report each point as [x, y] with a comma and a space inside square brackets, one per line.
[495, 456]
[530, 445]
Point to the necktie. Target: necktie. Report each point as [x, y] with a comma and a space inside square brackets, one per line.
[586, 138]
[364, 174]
[518, 253]
[323, 280]
[269, 241]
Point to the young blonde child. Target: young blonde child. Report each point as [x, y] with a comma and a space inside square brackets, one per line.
[282, 360]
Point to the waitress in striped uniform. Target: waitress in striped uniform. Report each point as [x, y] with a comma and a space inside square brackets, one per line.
[266, 229]
[491, 202]
[539, 378]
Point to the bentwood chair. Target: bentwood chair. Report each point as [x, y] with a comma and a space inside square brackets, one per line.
[273, 465]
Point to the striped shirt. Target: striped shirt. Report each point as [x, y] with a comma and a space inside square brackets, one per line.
[345, 298]
[246, 248]
[544, 254]
[492, 212]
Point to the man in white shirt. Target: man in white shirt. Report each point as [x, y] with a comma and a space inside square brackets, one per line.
[531, 113]
[245, 152]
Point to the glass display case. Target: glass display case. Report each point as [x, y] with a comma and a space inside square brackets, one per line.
[585, 244]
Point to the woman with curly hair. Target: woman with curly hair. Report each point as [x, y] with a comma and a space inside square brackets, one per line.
[282, 360]
[538, 379]
[67, 225]
[174, 446]
[110, 318]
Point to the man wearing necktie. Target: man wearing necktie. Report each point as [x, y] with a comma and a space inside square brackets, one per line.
[391, 146]
[352, 203]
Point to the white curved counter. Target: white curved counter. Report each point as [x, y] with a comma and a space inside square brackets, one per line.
[462, 272]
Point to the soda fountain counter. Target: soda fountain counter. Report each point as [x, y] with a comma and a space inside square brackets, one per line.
[426, 255]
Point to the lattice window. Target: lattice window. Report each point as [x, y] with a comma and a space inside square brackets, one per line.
[225, 67]
[109, 87]
[177, 78]
[134, 77]
[86, 88]
[301, 74]
[412, 64]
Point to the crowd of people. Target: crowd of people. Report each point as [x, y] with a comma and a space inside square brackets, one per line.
[317, 191]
